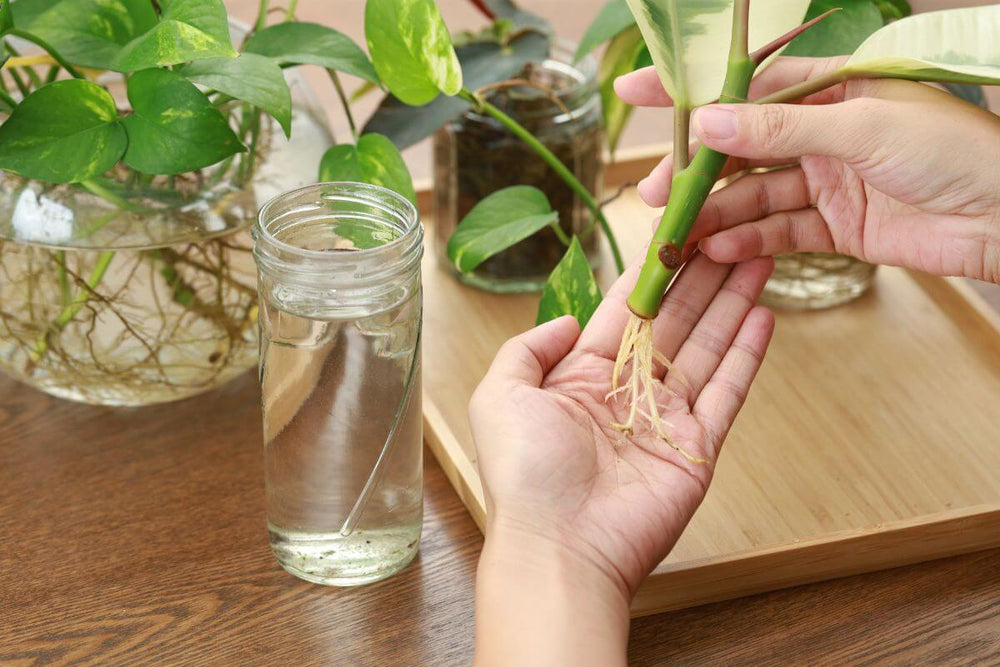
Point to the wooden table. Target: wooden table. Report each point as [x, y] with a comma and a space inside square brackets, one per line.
[137, 537]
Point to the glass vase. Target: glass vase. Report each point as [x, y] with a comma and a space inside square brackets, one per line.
[475, 156]
[340, 327]
[815, 280]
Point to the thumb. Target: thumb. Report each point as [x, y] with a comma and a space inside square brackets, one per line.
[766, 131]
[527, 359]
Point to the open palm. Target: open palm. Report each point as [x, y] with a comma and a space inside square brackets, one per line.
[551, 459]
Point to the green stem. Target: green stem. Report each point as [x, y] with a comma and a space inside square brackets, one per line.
[567, 176]
[261, 15]
[691, 187]
[29, 70]
[7, 99]
[19, 82]
[70, 311]
[557, 228]
[45, 46]
[682, 136]
[344, 102]
[806, 88]
[290, 13]
[63, 278]
[51, 75]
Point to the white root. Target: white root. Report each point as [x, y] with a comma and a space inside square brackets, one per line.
[636, 350]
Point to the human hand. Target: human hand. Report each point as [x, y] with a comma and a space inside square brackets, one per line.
[891, 172]
[578, 514]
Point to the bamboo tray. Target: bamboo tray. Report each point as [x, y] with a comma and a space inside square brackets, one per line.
[870, 440]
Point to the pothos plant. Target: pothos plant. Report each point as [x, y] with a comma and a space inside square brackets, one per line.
[196, 107]
[703, 51]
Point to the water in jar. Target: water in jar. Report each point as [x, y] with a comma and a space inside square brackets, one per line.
[339, 394]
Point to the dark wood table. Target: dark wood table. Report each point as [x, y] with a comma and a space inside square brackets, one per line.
[136, 536]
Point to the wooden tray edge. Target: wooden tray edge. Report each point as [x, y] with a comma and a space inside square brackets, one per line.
[458, 468]
[879, 547]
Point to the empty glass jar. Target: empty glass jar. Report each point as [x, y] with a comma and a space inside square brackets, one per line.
[340, 320]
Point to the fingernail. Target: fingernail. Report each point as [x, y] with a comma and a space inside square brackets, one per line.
[715, 122]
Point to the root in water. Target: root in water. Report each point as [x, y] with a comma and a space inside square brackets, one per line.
[639, 390]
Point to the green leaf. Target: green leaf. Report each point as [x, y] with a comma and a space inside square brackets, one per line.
[571, 289]
[64, 132]
[90, 33]
[365, 234]
[312, 44]
[6, 17]
[689, 40]
[251, 78]
[374, 160]
[968, 92]
[187, 30]
[893, 9]
[483, 63]
[412, 50]
[954, 45]
[173, 128]
[621, 57]
[614, 18]
[840, 33]
[498, 222]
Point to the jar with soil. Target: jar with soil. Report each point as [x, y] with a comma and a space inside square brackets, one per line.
[474, 156]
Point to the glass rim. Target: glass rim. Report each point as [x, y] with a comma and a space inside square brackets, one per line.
[406, 211]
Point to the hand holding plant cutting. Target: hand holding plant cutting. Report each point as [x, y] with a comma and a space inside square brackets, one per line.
[877, 176]
[578, 517]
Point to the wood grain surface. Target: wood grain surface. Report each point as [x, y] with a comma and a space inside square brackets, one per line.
[136, 537]
[869, 439]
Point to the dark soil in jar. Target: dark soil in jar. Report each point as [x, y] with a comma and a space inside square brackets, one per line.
[488, 158]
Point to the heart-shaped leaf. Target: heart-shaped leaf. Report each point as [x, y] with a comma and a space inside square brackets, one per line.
[840, 33]
[187, 30]
[90, 33]
[622, 56]
[689, 40]
[956, 45]
[312, 44]
[412, 50]
[374, 160]
[614, 17]
[483, 63]
[498, 222]
[571, 289]
[64, 132]
[251, 78]
[173, 128]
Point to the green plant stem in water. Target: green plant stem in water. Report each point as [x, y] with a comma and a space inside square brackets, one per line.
[690, 187]
[554, 162]
[63, 278]
[45, 46]
[70, 311]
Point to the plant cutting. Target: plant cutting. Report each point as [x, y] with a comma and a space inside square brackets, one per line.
[680, 36]
[136, 146]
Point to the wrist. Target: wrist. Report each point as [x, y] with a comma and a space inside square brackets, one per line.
[544, 602]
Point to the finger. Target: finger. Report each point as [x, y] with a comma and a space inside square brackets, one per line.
[527, 359]
[721, 399]
[702, 352]
[791, 231]
[787, 71]
[752, 198]
[642, 88]
[603, 332]
[655, 188]
[769, 131]
[685, 304]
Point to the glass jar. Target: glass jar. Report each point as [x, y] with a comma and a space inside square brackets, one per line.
[815, 280]
[340, 320]
[475, 156]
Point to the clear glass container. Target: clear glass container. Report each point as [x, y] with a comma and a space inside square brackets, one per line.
[815, 280]
[475, 156]
[340, 320]
[136, 290]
